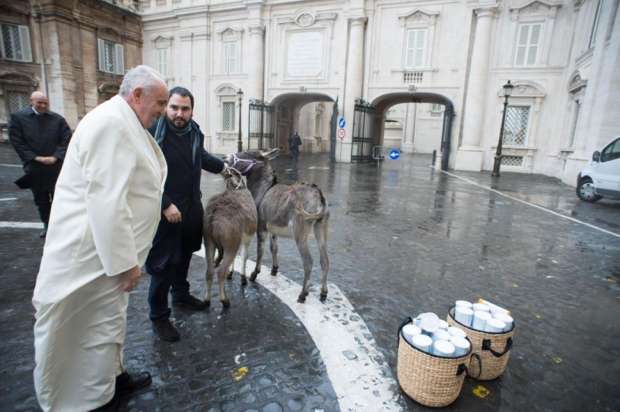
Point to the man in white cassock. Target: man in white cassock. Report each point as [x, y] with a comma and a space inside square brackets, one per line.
[106, 209]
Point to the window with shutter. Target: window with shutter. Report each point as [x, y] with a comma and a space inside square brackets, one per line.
[163, 56]
[230, 57]
[111, 57]
[516, 125]
[528, 44]
[416, 48]
[15, 43]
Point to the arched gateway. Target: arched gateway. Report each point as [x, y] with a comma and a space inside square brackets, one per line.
[369, 122]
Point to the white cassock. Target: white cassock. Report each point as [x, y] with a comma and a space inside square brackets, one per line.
[106, 209]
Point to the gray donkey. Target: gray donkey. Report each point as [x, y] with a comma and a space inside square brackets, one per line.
[285, 210]
[230, 223]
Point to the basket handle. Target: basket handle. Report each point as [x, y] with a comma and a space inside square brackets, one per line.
[486, 345]
[475, 355]
[462, 368]
[407, 320]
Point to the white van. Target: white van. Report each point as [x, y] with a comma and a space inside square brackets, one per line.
[601, 177]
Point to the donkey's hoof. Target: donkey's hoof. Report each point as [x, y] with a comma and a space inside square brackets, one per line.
[230, 275]
[253, 276]
[207, 303]
[301, 298]
[274, 271]
[226, 303]
[323, 296]
[244, 281]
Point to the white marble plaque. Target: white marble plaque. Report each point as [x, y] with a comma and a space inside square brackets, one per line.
[305, 54]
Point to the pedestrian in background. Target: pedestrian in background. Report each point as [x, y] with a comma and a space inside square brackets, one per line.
[40, 138]
[180, 231]
[102, 223]
[294, 141]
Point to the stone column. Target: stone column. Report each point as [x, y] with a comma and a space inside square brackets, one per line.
[256, 61]
[353, 85]
[470, 154]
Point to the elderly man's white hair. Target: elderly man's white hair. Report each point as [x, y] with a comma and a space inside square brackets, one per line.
[140, 76]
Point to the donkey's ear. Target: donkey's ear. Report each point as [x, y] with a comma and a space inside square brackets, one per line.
[271, 154]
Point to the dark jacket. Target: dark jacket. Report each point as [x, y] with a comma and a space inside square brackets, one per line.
[46, 134]
[186, 158]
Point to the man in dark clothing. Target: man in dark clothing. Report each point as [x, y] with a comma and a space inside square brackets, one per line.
[294, 141]
[180, 230]
[40, 138]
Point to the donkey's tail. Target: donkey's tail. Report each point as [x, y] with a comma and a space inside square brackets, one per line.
[299, 206]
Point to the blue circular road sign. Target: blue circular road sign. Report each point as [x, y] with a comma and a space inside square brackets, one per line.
[341, 123]
[394, 154]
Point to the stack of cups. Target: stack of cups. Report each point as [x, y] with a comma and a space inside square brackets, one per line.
[433, 335]
[463, 312]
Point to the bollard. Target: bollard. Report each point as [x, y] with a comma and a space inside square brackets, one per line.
[434, 158]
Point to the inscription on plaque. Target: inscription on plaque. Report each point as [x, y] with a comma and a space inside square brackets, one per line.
[304, 54]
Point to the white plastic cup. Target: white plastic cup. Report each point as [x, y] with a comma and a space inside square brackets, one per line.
[442, 324]
[507, 319]
[494, 325]
[480, 320]
[409, 331]
[481, 307]
[429, 324]
[463, 315]
[428, 315]
[463, 303]
[443, 348]
[441, 334]
[456, 332]
[422, 342]
[461, 346]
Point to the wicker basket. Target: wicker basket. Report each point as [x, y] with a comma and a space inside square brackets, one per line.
[428, 379]
[491, 350]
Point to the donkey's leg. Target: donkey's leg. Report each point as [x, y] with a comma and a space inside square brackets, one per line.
[228, 259]
[301, 230]
[209, 255]
[320, 233]
[245, 249]
[273, 245]
[260, 244]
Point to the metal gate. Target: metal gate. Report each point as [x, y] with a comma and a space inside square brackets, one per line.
[364, 135]
[261, 125]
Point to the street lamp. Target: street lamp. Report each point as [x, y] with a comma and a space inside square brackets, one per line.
[498, 154]
[239, 141]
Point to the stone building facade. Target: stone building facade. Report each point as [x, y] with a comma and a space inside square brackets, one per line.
[74, 51]
[408, 61]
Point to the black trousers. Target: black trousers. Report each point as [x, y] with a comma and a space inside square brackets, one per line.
[44, 181]
[172, 277]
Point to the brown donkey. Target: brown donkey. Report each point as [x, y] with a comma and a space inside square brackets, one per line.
[229, 224]
[294, 211]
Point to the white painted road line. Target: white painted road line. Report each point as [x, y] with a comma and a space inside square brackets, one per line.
[8, 199]
[21, 225]
[360, 376]
[544, 209]
[9, 165]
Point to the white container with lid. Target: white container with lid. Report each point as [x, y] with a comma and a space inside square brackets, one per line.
[507, 319]
[461, 346]
[456, 332]
[480, 320]
[409, 331]
[422, 342]
[481, 307]
[443, 348]
[441, 334]
[463, 315]
[443, 324]
[494, 325]
[464, 303]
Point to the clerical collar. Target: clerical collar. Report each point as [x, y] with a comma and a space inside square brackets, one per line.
[35, 110]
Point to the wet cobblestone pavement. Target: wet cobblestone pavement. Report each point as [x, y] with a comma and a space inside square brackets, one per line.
[403, 239]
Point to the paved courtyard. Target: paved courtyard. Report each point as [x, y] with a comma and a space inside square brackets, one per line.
[404, 238]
